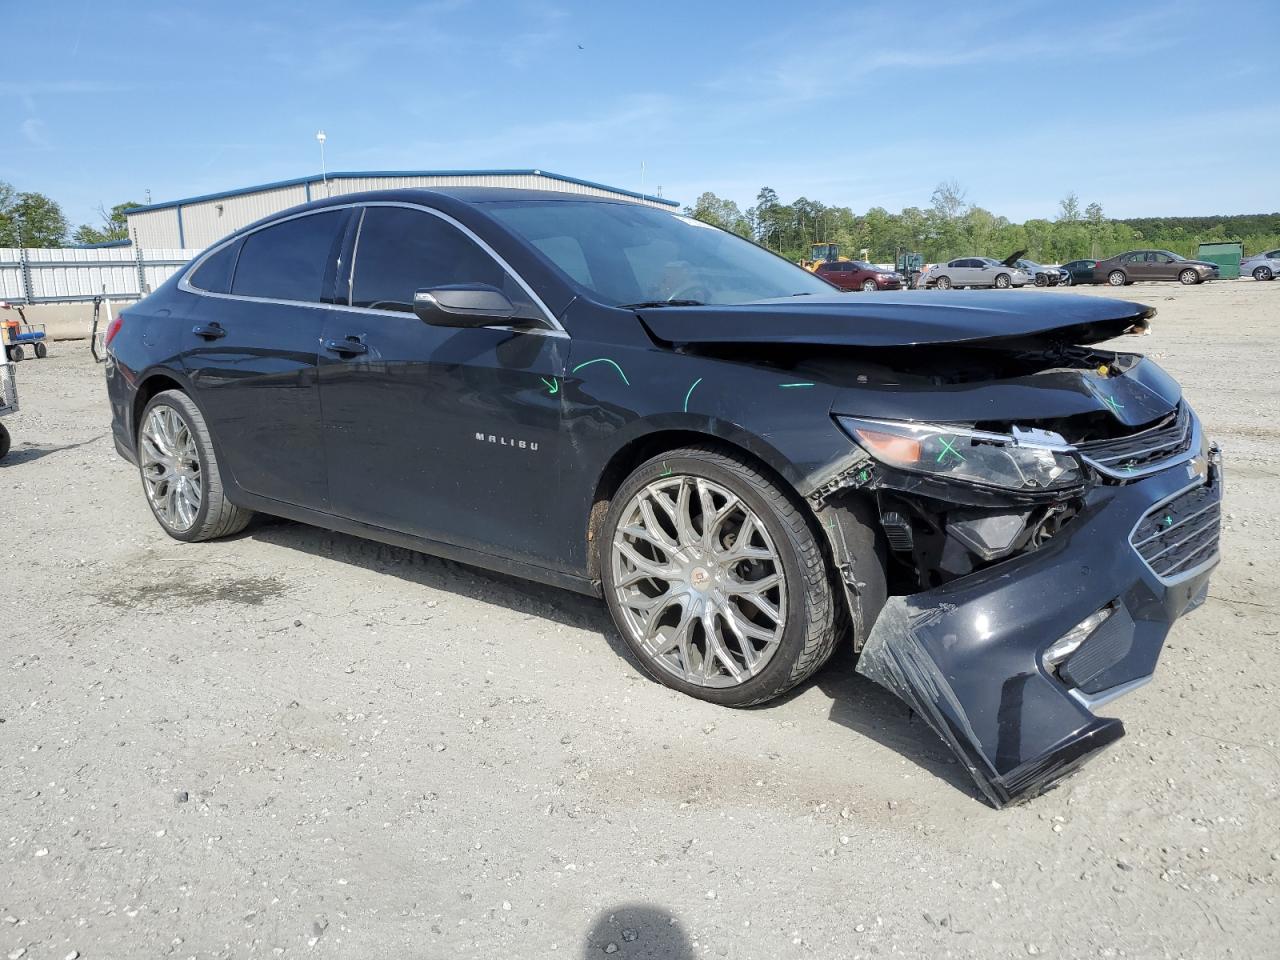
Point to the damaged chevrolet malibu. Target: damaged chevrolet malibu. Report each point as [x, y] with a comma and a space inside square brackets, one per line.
[998, 508]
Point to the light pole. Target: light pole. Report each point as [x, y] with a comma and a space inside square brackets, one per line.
[324, 177]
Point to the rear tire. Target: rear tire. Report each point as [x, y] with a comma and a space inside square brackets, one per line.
[943, 283]
[1003, 281]
[5, 441]
[179, 467]
[1117, 278]
[16, 353]
[1263, 273]
[798, 636]
[1188, 278]
[41, 351]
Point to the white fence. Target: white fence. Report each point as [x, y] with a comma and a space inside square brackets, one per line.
[69, 274]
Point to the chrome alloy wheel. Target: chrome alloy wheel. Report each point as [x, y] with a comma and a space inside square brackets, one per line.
[171, 468]
[699, 581]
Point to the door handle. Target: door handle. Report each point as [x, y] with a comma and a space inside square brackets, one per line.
[210, 331]
[350, 346]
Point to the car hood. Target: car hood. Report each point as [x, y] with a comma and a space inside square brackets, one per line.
[1013, 258]
[911, 318]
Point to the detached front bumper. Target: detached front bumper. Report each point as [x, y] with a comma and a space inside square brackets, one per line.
[969, 656]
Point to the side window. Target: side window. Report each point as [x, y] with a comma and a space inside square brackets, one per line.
[399, 251]
[290, 260]
[214, 275]
[958, 263]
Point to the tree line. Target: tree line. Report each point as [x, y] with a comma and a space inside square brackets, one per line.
[29, 219]
[951, 227]
[948, 227]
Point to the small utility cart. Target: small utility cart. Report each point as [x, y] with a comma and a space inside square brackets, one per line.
[8, 401]
[17, 335]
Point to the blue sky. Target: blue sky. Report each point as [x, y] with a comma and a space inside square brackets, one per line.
[1149, 108]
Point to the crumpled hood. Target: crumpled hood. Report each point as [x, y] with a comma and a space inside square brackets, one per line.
[911, 318]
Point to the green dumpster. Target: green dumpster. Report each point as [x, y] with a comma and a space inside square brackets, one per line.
[1225, 255]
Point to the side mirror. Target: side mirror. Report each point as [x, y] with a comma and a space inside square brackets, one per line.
[463, 305]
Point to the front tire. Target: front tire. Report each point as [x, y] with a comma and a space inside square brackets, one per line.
[1188, 278]
[868, 286]
[715, 578]
[16, 353]
[1262, 273]
[1041, 280]
[41, 351]
[1117, 278]
[1003, 281]
[180, 474]
[943, 283]
[5, 441]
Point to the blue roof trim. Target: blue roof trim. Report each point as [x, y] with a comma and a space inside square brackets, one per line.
[351, 174]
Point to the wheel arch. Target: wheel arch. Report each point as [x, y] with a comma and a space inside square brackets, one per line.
[154, 382]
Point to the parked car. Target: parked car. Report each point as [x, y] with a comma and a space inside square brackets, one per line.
[1139, 265]
[974, 272]
[1043, 276]
[1079, 271]
[858, 275]
[1261, 266]
[748, 466]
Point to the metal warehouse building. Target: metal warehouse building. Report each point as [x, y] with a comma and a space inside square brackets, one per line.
[196, 222]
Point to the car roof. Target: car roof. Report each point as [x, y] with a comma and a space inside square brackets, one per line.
[467, 195]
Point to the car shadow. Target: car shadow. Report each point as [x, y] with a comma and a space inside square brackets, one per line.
[856, 702]
[637, 931]
[866, 708]
[28, 453]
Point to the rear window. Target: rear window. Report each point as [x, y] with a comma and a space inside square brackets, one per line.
[214, 275]
[290, 260]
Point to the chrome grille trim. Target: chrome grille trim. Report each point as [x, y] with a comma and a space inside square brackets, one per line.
[1167, 444]
[1204, 522]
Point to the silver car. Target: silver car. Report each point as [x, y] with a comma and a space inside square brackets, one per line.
[1261, 266]
[975, 272]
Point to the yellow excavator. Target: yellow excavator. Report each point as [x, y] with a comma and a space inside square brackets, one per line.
[820, 253]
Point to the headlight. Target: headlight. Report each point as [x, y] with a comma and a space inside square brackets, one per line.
[991, 459]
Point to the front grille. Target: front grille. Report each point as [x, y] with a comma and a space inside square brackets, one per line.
[1143, 452]
[1181, 535]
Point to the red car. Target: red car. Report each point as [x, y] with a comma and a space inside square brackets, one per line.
[858, 275]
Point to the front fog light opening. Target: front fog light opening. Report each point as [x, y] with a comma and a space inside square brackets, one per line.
[1072, 640]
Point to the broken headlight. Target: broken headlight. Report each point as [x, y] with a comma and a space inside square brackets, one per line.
[973, 456]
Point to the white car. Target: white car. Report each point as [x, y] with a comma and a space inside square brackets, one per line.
[1262, 266]
[974, 272]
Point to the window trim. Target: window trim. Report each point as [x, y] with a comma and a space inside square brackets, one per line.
[553, 328]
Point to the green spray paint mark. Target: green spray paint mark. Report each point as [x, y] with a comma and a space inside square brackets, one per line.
[553, 385]
[666, 471]
[690, 394]
[786, 386]
[948, 448]
[1115, 405]
[864, 475]
[604, 360]
[1168, 520]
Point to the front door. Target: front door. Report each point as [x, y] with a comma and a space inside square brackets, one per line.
[251, 354]
[448, 433]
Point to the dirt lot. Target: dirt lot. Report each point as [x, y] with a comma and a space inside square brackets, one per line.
[296, 743]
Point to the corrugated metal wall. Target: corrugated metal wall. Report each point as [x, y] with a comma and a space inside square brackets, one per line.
[198, 225]
[210, 220]
[73, 273]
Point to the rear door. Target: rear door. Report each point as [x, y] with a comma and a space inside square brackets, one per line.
[447, 433]
[251, 353]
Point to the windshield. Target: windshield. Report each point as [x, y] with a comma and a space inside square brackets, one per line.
[623, 253]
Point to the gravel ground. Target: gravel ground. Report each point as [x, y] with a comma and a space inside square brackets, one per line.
[296, 743]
